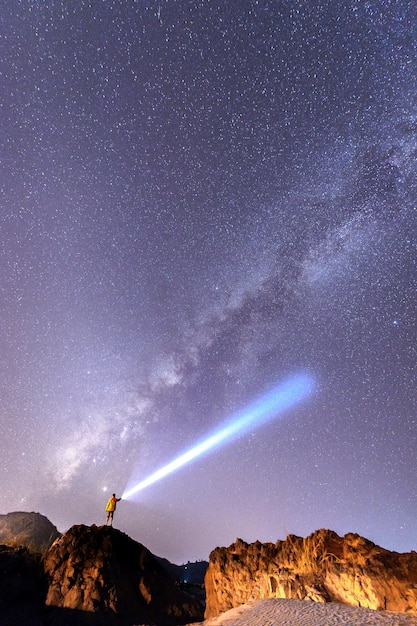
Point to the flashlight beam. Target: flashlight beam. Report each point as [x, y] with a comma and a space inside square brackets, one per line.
[269, 406]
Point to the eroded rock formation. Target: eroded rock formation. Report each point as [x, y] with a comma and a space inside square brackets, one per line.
[322, 567]
[102, 571]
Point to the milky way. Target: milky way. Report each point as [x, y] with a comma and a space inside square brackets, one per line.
[198, 200]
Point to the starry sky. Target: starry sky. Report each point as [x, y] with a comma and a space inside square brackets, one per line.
[199, 199]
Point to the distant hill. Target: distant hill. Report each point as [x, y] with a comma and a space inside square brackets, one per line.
[32, 530]
[189, 576]
[190, 573]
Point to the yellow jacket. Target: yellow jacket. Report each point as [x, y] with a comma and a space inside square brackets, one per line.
[111, 504]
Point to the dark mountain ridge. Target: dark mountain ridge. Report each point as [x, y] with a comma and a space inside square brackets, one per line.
[32, 530]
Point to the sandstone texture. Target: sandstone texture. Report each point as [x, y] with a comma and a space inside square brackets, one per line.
[101, 571]
[322, 567]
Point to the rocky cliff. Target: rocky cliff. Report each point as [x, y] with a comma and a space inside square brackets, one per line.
[322, 567]
[101, 571]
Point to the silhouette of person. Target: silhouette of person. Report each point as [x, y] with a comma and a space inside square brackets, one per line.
[110, 508]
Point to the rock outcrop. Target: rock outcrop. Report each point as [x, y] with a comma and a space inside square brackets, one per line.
[101, 571]
[22, 586]
[32, 530]
[322, 567]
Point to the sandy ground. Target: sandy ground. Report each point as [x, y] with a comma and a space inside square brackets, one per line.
[281, 612]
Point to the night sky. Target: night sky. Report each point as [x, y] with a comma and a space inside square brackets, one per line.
[200, 199]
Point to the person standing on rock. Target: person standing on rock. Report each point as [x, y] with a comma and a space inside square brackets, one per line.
[110, 508]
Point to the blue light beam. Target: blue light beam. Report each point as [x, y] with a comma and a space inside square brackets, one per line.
[269, 406]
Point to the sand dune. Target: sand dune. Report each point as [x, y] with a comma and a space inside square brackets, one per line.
[282, 612]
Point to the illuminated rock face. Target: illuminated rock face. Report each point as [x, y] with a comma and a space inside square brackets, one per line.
[322, 567]
[102, 571]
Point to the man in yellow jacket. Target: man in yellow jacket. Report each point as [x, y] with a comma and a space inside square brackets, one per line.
[110, 508]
